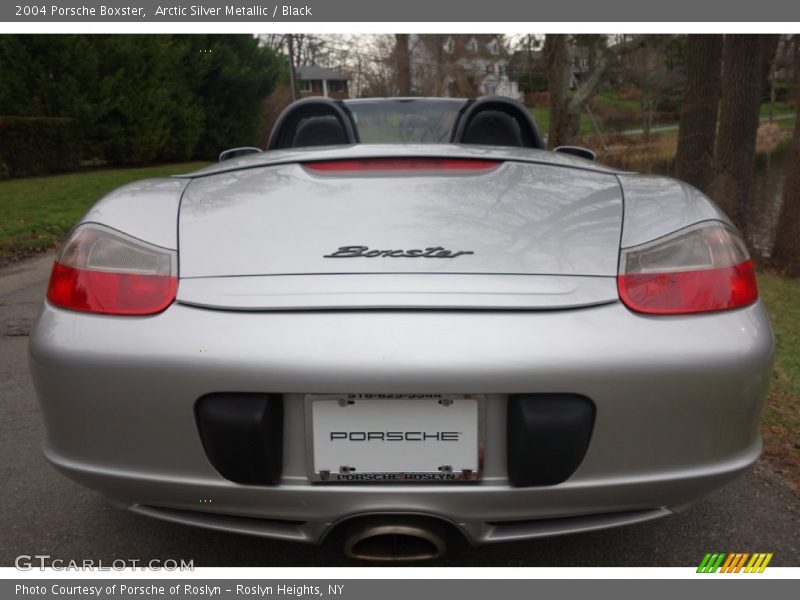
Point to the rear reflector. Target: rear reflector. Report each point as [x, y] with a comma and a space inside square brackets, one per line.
[101, 270]
[702, 268]
[400, 164]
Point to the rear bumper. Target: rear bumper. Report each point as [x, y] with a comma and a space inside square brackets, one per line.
[484, 513]
[678, 401]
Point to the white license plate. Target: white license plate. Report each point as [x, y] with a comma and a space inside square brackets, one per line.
[394, 437]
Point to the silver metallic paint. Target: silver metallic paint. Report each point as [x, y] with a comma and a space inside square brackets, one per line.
[678, 398]
[398, 290]
[656, 206]
[518, 218]
[359, 151]
[146, 209]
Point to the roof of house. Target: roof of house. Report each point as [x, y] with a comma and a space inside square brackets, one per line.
[313, 72]
[460, 44]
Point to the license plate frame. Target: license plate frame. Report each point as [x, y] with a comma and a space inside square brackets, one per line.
[468, 403]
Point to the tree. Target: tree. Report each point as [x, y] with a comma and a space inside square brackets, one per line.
[144, 109]
[430, 66]
[568, 95]
[698, 120]
[566, 103]
[142, 97]
[403, 64]
[35, 79]
[526, 65]
[786, 251]
[745, 59]
[238, 74]
[379, 73]
[658, 77]
[128, 92]
[308, 49]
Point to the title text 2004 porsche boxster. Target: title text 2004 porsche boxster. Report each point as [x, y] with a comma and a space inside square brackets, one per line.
[405, 318]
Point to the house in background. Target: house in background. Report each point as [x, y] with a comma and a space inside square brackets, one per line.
[528, 66]
[458, 65]
[318, 81]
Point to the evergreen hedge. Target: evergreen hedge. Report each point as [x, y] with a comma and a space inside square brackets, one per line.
[38, 145]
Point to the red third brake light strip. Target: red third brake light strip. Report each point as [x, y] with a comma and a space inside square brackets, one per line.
[401, 164]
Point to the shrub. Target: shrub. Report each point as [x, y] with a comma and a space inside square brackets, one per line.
[38, 145]
[143, 98]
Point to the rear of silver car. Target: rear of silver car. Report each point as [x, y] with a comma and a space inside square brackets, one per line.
[315, 371]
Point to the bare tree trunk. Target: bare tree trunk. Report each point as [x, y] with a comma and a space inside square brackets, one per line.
[292, 75]
[648, 107]
[555, 56]
[566, 104]
[403, 64]
[769, 48]
[734, 154]
[786, 251]
[698, 120]
[564, 126]
[439, 80]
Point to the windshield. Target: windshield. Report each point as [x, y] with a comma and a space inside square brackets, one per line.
[406, 121]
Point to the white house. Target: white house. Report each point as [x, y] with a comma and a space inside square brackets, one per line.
[459, 65]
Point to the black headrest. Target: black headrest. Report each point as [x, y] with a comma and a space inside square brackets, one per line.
[493, 128]
[479, 122]
[320, 131]
[313, 122]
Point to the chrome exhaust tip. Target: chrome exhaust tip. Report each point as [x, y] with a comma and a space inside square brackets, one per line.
[392, 539]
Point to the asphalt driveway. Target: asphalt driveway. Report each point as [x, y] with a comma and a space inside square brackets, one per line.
[44, 513]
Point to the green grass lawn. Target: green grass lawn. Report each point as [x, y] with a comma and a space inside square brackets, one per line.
[37, 212]
[541, 114]
[781, 421]
[785, 123]
[613, 99]
[778, 108]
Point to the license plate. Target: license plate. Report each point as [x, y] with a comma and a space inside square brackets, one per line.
[394, 437]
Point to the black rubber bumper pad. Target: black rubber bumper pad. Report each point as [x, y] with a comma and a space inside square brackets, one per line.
[243, 435]
[548, 435]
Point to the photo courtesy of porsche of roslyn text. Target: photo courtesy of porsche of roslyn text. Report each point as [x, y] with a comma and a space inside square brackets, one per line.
[427, 299]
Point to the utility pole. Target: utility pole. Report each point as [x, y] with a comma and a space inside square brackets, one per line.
[292, 76]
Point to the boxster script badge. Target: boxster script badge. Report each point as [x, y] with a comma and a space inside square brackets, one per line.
[364, 251]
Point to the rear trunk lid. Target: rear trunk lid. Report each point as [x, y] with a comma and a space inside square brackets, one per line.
[507, 234]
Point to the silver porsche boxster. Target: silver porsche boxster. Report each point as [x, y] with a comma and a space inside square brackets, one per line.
[403, 321]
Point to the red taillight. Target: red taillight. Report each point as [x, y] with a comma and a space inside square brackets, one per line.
[100, 270]
[699, 269]
[401, 164]
[690, 291]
